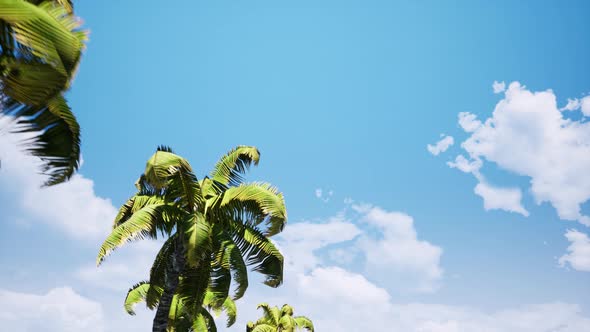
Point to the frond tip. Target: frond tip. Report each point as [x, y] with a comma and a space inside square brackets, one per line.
[230, 168]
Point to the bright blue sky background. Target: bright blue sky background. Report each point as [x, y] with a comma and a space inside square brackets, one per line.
[340, 95]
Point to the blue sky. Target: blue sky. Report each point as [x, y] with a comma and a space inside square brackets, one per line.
[342, 96]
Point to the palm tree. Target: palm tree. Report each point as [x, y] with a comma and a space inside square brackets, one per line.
[40, 48]
[179, 317]
[279, 320]
[215, 228]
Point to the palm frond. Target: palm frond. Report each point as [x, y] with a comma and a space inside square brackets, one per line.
[31, 81]
[258, 199]
[270, 314]
[231, 311]
[220, 279]
[48, 30]
[158, 271]
[134, 204]
[138, 293]
[57, 139]
[287, 323]
[259, 252]
[172, 172]
[193, 287]
[198, 240]
[303, 322]
[264, 328]
[228, 255]
[230, 168]
[142, 223]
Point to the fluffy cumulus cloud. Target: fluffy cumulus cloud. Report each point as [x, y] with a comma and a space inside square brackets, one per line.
[578, 256]
[300, 240]
[441, 146]
[342, 299]
[384, 243]
[494, 198]
[528, 135]
[576, 104]
[60, 310]
[73, 207]
[397, 256]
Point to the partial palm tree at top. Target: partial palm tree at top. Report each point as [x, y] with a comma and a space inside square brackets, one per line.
[215, 227]
[40, 48]
[279, 320]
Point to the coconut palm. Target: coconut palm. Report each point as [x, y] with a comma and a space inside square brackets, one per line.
[179, 318]
[40, 48]
[279, 320]
[215, 228]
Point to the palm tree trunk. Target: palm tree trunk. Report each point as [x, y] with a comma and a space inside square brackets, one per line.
[171, 283]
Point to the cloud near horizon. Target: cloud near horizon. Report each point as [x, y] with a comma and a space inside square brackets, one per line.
[72, 207]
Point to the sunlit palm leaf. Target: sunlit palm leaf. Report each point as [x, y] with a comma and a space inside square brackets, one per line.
[137, 294]
[230, 168]
[264, 328]
[267, 198]
[260, 253]
[270, 314]
[48, 30]
[143, 223]
[198, 240]
[303, 322]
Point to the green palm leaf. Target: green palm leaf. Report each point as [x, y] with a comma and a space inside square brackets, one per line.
[269, 202]
[138, 293]
[263, 328]
[229, 169]
[260, 253]
[158, 272]
[277, 320]
[303, 322]
[41, 47]
[143, 223]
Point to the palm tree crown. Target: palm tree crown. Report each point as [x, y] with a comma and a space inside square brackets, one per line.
[279, 320]
[215, 228]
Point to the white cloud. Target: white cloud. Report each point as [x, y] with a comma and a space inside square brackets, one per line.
[466, 166]
[397, 256]
[300, 240]
[73, 207]
[578, 104]
[527, 135]
[578, 256]
[341, 286]
[123, 268]
[441, 146]
[499, 87]
[60, 310]
[357, 305]
[495, 198]
[572, 105]
[385, 244]
[585, 106]
[469, 122]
